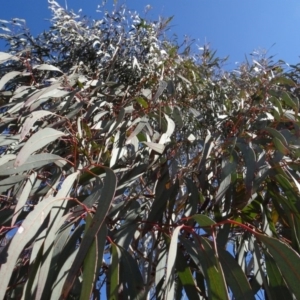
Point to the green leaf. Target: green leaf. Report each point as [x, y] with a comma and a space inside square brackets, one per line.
[63, 273]
[114, 273]
[107, 194]
[29, 122]
[193, 199]
[162, 195]
[142, 123]
[6, 56]
[47, 67]
[131, 275]
[142, 102]
[130, 177]
[293, 103]
[55, 218]
[277, 286]
[23, 197]
[29, 228]
[250, 164]
[177, 116]
[223, 235]
[118, 121]
[204, 257]
[204, 221]
[170, 127]
[277, 103]
[212, 270]
[283, 80]
[170, 277]
[235, 277]
[9, 182]
[287, 260]
[37, 141]
[35, 263]
[33, 162]
[280, 146]
[89, 266]
[161, 87]
[276, 134]
[160, 272]
[186, 277]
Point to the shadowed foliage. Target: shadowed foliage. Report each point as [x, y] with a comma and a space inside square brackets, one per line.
[133, 168]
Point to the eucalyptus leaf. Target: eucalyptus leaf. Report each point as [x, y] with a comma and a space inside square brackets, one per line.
[37, 141]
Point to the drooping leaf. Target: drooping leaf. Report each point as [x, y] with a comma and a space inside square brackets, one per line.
[277, 285]
[186, 277]
[35, 261]
[131, 276]
[142, 123]
[114, 280]
[7, 77]
[47, 68]
[7, 183]
[61, 277]
[287, 260]
[105, 199]
[33, 162]
[171, 126]
[40, 93]
[89, 266]
[250, 164]
[235, 277]
[36, 142]
[6, 56]
[23, 197]
[170, 277]
[212, 270]
[35, 115]
[54, 221]
[160, 273]
[293, 103]
[161, 87]
[29, 228]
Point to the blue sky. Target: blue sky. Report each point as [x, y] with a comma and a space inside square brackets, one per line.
[232, 27]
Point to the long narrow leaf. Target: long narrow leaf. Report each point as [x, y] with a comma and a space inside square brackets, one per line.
[287, 260]
[106, 197]
[235, 277]
[36, 142]
[89, 266]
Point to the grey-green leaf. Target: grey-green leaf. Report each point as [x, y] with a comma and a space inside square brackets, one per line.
[37, 141]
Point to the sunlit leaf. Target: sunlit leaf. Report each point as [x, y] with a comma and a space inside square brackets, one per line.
[36, 115]
[170, 276]
[47, 68]
[36, 142]
[7, 77]
[33, 162]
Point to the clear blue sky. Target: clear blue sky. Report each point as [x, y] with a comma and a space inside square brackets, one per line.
[232, 27]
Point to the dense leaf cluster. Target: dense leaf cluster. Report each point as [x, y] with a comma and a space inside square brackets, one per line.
[131, 171]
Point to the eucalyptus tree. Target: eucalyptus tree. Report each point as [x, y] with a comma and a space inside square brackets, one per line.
[131, 171]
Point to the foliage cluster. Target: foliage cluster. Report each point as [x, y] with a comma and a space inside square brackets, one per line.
[131, 170]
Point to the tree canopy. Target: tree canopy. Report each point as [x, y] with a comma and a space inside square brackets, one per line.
[134, 168]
